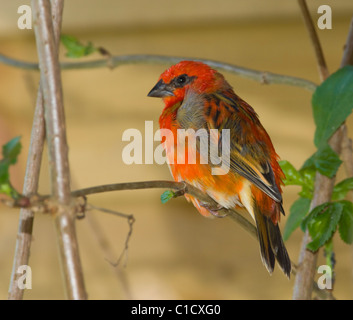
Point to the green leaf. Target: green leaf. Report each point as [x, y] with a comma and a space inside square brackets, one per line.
[11, 150]
[298, 211]
[341, 189]
[345, 225]
[4, 172]
[332, 103]
[322, 222]
[293, 177]
[325, 160]
[167, 195]
[75, 49]
[9, 190]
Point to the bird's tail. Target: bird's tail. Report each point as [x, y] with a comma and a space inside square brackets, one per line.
[271, 244]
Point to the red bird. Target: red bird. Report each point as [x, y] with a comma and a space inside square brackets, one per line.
[198, 97]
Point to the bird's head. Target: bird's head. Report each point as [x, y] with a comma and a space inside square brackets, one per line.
[187, 75]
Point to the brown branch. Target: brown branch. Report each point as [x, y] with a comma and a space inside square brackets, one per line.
[323, 185]
[323, 70]
[348, 48]
[109, 255]
[44, 204]
[263, 77]
[30, 186]
[191, 190]
[58, 149]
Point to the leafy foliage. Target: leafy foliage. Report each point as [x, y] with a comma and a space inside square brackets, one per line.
[167, 195]
[345, 225]
[10, 152]
[75, 49]
[298, 211]
[325, 160]
[332, 103]
[321, 223]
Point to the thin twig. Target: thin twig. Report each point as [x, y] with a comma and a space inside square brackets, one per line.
[30, 186]
[58, 149]
[348, 48]
[130, 219]
[323, 70]
[108, 251]
[116, 61]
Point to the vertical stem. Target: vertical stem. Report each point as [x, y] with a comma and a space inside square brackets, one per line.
[58, 149]
[307, 259]
[323, 70]
[30, 186]
[323, 185]
[303, 285]
[348, 48]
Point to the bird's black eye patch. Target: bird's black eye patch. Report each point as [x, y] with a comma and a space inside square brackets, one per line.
[182, 80]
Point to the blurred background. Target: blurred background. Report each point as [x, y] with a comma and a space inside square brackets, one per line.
[174, 252]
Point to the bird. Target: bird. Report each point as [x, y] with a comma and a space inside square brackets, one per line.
[198, 97]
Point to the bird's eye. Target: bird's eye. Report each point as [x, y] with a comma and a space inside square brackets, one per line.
[181, 79]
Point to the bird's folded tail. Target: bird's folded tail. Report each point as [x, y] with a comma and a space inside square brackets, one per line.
[271, 244]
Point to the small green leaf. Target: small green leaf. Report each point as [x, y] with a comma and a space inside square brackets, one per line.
[308, 172]
[322, 223]
[306, 192]
[332, 103]
[298, 211]
[9, 190]
[11, 150]
[293, 177]
[167, 195]
[345, 225]
[4, 172]
[325, 160]
[75, 49]
[341, 189]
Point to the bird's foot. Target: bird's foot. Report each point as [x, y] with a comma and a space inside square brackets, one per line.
[214, 210]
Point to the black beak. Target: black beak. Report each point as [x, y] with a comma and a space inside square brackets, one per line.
[160, 90]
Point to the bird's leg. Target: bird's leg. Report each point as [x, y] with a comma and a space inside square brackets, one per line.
[213, 209]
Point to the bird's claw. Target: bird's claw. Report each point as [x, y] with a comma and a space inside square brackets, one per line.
[214, 209]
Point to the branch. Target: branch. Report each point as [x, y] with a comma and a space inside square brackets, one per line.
[348, 48]
[109, 254]
[57, 147]
[191, 190]
[30, 186]
[323, 185]
[323, 70]
[44, 204]
[116, 61]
